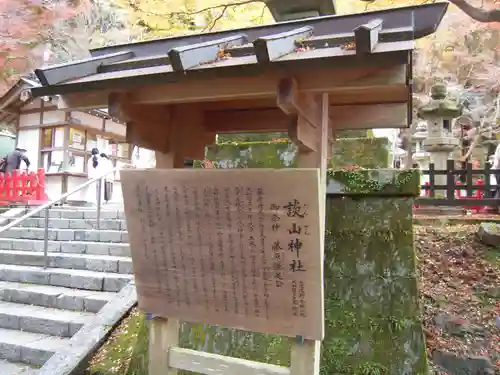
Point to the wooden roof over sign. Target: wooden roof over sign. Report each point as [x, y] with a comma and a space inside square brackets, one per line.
[173, 59]
[254, 79]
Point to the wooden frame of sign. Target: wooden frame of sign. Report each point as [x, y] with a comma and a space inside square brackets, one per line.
[165, 355]
[178, 121]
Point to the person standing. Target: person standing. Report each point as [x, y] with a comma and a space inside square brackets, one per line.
[496, 166]
[93, 171]
[14, 158]
[109, 179]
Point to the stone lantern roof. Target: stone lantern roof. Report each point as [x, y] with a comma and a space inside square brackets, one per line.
[439, 105]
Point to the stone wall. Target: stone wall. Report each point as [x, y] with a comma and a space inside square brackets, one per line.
[365, 152]
[371, 296]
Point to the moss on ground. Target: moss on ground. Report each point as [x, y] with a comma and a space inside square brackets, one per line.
[125, 352]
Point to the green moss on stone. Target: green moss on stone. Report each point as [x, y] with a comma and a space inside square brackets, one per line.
[391, 182]
[372, 153]
[364, 152]
[250, 137]
[371, 297]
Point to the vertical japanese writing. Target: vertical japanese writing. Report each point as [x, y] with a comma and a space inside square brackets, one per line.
[171, 251]
[253, 250]
[190, 239]
[162, 261]
[207, 198]
[220, 244]
[302, 298]
[180, 243]
[262, 237]
[231, 245]
[242, 248]
[297, 211]
[276, 247]
[153, 235]
[295, 300]
[200, 240]
[141, 205]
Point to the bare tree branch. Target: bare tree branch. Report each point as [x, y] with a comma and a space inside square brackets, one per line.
[476, 13]
[223, 7]
[485, 127]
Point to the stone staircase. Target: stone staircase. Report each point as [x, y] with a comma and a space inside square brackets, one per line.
[41, 309]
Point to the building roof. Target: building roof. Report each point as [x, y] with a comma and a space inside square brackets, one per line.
[14, 99]
[320, 41]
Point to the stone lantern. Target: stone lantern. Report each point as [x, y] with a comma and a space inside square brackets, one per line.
[421, 156]
[439, 113]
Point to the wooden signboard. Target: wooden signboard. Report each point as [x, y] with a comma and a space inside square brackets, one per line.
[239, 248]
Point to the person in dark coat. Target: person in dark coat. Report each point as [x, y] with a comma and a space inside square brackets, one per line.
[14, 159]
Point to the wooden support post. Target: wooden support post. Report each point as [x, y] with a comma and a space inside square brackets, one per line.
[305, 356]
[164, 332]
[186, 124]
[163, 335]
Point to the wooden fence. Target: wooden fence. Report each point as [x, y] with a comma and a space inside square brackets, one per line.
[464, 187]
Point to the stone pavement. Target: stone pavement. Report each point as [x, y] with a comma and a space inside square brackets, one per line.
[41, 309]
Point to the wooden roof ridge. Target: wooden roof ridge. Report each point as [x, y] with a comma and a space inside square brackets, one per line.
[426, 19]
[314, 40]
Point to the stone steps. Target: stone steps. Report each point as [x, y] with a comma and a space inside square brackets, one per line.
[99, 263]
[46, 320]
[40, 309]
[67, 234]
[59, 223]
[8, 368]
[82, 213]
[74, 247]
[27, 347]
[78, 279]
[54, 296]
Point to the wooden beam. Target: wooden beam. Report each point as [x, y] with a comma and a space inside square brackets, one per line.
[261, 120]
[367, 36]
[377, 94]
[210, 364]
[120, 107]
[294, 102]
[374, 116]
[239, 104]
[147, 126]
[264, 86]
[397, 93]
[188, 132]
[345, 117]
[270, 48]
[305, 108]
[186, 57]
[303, 134]
[86, 100]
[55, 74]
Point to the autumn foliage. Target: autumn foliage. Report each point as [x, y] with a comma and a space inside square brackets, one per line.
[25, 26]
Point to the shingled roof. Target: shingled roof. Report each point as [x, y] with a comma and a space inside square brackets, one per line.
[317, 41]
